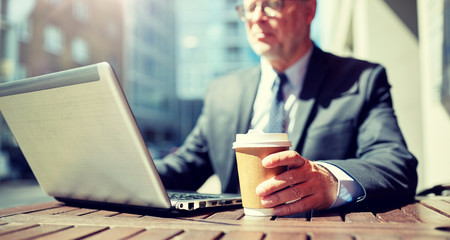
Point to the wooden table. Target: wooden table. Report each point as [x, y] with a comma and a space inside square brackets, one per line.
[428, 218]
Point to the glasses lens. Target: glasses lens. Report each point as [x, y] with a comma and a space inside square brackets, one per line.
[251, 8]
[273, 7]
[270, 8]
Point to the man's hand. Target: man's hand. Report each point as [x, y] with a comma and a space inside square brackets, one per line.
[303, 187]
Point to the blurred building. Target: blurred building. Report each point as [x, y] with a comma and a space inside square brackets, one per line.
[211, 42]
[136, 37]
[62, 34]
[150, 70]
[45, 36]
[164, 60]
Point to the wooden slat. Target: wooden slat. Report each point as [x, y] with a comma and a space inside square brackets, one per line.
[361, 217]
[29, 208]
[13, 227]
[300, 217]
[79, 212]
[245, 235]
[201, 215]
[227, 215]
[440, 206]
[326, 217]
[328, 235]
[156, 234]
[34, 232]
[116, 233]
[396, 216]
[200, 235]
[286, 236]
[102, 213]
[420, 238]
[425, 214]
[371, 236]
[291, 219]
[153, 219]
[127, 215]
[74, 233]
[55, 211]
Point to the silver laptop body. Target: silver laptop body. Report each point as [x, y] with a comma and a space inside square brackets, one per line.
[79, 136]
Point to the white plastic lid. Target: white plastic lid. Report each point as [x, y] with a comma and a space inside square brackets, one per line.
[257, 138]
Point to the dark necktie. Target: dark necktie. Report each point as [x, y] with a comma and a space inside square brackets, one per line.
[277, 114]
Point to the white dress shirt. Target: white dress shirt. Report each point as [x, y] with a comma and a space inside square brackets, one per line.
[348, 188]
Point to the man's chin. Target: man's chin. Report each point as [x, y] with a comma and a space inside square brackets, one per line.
[263, 49]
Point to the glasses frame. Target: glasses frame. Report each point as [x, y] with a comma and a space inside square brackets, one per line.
[263, 4]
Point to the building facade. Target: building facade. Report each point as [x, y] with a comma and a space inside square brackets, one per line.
[151, 71]
[211, 42]
[59, 35]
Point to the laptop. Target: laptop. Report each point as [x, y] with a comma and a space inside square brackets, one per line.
[80, 138]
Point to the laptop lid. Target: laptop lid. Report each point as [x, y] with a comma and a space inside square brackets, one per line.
[77, 132]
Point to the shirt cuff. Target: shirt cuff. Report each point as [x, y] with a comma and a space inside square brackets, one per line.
[349, 190]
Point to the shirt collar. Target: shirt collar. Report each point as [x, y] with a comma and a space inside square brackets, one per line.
[295, 73]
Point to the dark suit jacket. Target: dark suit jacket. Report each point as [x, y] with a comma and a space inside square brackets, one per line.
[345, 117]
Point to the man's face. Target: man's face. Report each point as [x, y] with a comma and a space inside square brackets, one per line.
[283, 36]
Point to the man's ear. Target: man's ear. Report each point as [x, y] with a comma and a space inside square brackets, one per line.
[310, 6]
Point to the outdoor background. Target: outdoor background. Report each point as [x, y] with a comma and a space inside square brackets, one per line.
[166, 52]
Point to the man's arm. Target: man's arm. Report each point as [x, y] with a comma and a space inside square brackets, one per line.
[382, 164]
[188, 167]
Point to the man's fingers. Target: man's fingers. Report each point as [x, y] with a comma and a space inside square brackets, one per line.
[285, 158]
[285, 179]
[288, 195]
[294, 189]
[301, 205]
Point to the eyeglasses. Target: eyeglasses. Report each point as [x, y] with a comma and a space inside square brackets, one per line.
[271, 8]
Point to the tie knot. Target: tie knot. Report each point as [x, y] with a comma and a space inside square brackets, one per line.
[278, 86]
[283, 78]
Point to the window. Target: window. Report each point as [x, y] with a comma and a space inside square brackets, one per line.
[80, 10]
[112, 29]
[445, 90]
[53, 39]
[233, 27]
[80, 51]
[233, 53]
[232, 2]
[25, 31]
[54, 2]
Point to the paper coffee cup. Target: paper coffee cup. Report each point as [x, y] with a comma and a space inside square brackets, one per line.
[251, 148]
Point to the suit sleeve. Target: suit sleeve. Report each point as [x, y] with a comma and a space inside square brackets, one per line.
[188, 167]
[383, 165]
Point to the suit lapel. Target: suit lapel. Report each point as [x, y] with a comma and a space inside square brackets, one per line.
[314, 79]
[248, 95]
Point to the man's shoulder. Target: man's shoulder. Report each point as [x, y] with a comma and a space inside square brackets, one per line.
[233, 85]
[237, 78]
[342, 73]
[240, 74]
[345, 62]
